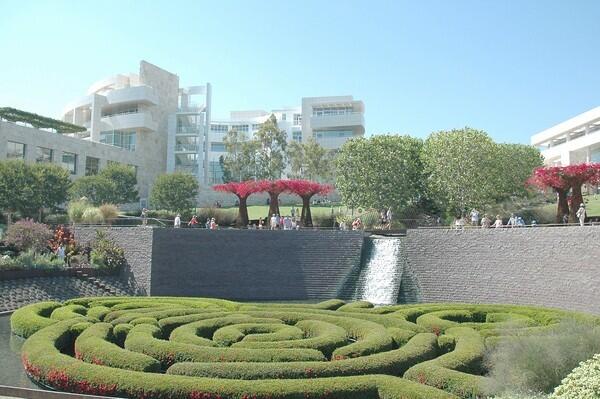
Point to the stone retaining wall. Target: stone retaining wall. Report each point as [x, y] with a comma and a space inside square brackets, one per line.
[555, 267]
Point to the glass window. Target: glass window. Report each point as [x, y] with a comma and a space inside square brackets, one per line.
[297, 136]
[15, 150]
[219, 128]
[297, 119]
[43, 154]
[186, 143]
[217, 147]
[186, 163]
[332, 133]
[283, 116]
[92, 166]
[256, 126]
[118, 138]
[69, 162]
[240, 128]
[215, 172]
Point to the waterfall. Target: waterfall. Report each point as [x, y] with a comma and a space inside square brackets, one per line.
[379, 280]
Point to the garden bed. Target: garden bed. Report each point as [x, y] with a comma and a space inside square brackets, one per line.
[67, 272]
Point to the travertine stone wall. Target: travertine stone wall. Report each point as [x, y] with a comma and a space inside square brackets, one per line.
[555, 267]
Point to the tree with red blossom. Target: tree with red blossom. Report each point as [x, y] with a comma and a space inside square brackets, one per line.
[553, 177]
[563, 179]
[274, 188]
[242, 190]
[306, 189]
[576, 176]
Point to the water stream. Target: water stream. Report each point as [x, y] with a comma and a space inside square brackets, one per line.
[379, 280]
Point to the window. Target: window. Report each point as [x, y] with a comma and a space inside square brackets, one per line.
[329, 134]
[189, 123]
[240, 128]
[92, 166]
[256, 126]
[120, 110]
[328, 111]
[186, 143]
[283, 116]
[187, 163]
[69, 162]
[215, 172]
[15, 150]
[297, 119]
[43, 154]
[217, 147]
[219, 128]
[297, 136]
[119, 138]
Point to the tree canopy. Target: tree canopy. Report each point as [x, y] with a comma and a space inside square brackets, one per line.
[174, 192]
[97, 189]
[240, 162]
[380, 172]
[309, 160]
[270, 159]
[242, 190]
[125, 182]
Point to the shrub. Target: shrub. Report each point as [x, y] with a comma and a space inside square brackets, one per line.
[109, 212]
[582, 383]
[92, 215]
[75, 210]
[538, 363]
[198, 348]
[28, 235]
[106, 255]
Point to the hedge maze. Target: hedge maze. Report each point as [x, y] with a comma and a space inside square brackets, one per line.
[197, 348]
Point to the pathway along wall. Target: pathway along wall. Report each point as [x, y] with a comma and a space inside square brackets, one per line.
[555, 267]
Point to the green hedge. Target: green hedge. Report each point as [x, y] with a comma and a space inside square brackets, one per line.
[209, 348]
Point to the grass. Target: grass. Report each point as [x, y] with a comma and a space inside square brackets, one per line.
[261, 211]
[592, 205]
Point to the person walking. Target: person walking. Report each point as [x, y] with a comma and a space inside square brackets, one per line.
[144, 217]
[485, 222]
[474, 217]
[498, 223]
[177, 221]
[273, 224]
[581, 214]
[193, 222]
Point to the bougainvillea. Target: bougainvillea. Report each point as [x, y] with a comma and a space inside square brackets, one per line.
[242, 190]
[563, 179]
[306, 189]
[274, 188]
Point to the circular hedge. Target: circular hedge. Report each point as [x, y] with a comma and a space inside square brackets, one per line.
[198, 348]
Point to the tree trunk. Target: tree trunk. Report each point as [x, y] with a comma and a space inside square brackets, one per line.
[273, 205]
[306, 217]
[243, 213]
[576, 200]
[562, 207]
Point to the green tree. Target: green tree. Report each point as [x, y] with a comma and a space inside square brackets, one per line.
[97, 189]
[125, 182]
[53, 186]
[380, 172]
[239, 164]
[462, 167]
[226, 172]
[271, 154]
[18, 188]
[522, 160]
[174, 192]
[309, 161]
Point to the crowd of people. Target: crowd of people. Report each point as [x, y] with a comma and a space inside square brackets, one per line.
[487, 222]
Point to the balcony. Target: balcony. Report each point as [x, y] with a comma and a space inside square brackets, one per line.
[138, 121]
[187, 148]
[340, 120]
[188, 130]
[135, 94]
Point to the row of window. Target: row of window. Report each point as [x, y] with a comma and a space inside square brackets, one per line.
[297, 118]
[119, 138]
[129, 109]
[327, 111]
[68, 160]
[328, 134]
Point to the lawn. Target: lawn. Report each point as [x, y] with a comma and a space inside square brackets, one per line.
[592, 205]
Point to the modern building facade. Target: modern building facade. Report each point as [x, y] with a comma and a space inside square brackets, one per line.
[147, 120]
[573, 141]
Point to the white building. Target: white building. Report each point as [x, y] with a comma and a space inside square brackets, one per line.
[146, 120]
[573, 141]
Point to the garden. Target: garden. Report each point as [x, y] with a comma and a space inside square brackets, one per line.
[32, 246]
[162, 347]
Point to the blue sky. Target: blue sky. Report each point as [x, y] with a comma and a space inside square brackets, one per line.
[509, 67]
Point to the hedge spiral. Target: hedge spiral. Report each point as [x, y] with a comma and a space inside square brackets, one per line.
[198, 348]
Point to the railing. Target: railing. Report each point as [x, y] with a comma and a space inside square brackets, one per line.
[187, 147]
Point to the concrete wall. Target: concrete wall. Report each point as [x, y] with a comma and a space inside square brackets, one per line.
[253, 264]
[137, 243]
[555, 267]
